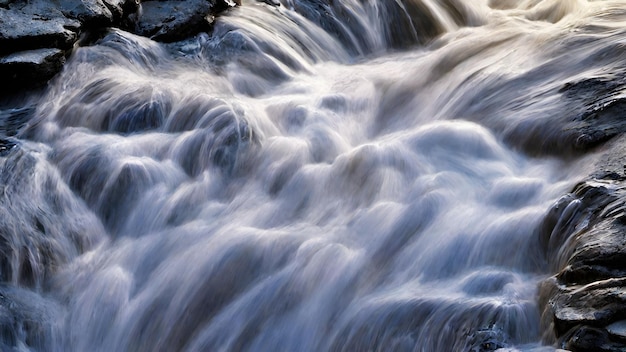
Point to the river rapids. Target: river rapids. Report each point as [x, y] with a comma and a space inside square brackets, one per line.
[311, 175]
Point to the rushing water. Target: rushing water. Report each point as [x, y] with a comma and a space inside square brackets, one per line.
[316, 176]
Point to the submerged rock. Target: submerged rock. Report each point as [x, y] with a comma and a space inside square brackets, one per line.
[26, 320]
[6, 145]
[122, 9]
[12, 120]
[42, 223]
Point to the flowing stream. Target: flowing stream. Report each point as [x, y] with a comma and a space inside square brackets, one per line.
[347, 175]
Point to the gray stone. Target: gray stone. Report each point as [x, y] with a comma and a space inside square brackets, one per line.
[91, 13]
[169, 21]
[33, 27]
[590, 339]
[35, 35]
[585, 302]
[121, 8]
[11, 122]
[28, 68]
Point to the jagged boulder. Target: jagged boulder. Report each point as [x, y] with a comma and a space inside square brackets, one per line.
[584, 304]
[36, 35]
[169, 21]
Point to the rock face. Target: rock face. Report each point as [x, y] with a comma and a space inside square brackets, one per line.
[21, 68]
[24, 29]
[585, 303]
[36, 35]
[170, 21]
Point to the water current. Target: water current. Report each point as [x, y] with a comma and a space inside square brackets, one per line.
[311, 175]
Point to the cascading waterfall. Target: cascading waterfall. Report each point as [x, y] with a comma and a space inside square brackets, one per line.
[309, 176]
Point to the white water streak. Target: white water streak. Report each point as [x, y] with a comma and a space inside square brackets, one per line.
[293, 183]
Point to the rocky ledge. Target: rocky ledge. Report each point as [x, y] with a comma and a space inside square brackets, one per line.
[584, 304]
[37, 35]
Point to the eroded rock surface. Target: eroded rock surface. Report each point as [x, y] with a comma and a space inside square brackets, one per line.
[585, 303]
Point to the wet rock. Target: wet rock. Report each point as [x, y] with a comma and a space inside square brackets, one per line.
[173, 20]
[57, 25]
[34, 27]
[35, 35]
[597, 304]
[588, 339]
[599, 116]
[585, 302]
[484, 340]
[6, 146]
[146, 116]
[29, 68]
[122, 9]
[90, 13]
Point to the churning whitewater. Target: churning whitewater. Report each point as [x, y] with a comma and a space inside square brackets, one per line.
[347, 175]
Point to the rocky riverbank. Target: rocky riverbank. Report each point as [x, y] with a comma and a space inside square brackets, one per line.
[584, 304]
[584, 234]
[36, 36]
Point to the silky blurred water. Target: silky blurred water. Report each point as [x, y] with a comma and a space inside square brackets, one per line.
[343, 175]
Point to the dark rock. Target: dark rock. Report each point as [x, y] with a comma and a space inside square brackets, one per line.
[90, 13]
[585, 302]
[28, 68]
[55, 26]
[587, 339]
[6, 145]
[488, 339]
[617, 329]
[599, 116]
[169, 21]
[147, 116]
[597, 304]
[34, 27]
[121, 9]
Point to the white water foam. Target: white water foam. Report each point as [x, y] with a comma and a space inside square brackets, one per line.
[300, 182]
